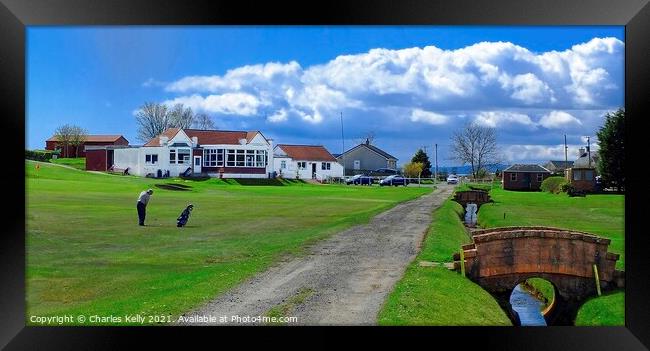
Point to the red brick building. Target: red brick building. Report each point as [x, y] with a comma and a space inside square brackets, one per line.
[524, 177]
[91, 140]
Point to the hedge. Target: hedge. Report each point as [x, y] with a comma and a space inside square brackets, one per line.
[39, 155]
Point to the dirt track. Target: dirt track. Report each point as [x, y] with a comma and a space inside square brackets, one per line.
[344, 280]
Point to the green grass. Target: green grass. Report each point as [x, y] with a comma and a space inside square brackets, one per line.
[435, 295]
[87, 255]
[600, 214]
[604, 310]
[78, 163]
[446, 234]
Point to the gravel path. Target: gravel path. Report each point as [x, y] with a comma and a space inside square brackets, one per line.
[344, 280]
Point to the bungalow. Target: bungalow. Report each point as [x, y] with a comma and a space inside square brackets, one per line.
[524, 177]
[364, 158]
[305, 162]
[216, 153]
[90, 140]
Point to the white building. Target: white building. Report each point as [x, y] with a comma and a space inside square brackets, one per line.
[305, 162]
[217, 153]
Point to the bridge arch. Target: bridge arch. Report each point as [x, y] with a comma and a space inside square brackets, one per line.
[499, 259]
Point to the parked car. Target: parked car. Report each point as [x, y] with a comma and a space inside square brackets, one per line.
[452, 179]
[394, 180]
[359, 179]
[385, 172]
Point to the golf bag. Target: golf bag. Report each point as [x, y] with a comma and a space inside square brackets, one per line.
[185, 215]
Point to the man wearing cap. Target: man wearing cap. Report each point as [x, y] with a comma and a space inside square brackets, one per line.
[143, 200]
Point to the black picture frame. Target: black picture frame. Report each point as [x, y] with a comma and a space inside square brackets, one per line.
[15, 15]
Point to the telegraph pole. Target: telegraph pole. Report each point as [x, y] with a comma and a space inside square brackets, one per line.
[436, 179]
[566, 157]
[589, 151]
[343, 143]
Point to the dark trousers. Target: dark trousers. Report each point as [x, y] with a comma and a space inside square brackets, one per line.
[142, 212]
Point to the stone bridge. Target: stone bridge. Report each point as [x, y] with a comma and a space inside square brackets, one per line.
[501, 258]
[478, 197]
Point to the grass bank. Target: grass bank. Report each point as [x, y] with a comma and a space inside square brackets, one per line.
[435, 295]
[604, 310]
[86, 255]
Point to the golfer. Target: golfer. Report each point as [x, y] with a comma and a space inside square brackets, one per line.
[143, 200]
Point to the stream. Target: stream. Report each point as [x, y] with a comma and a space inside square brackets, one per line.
[527, 307]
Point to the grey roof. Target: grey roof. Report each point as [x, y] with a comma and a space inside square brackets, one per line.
[373, 148]
[583, 160]
[526, 168]
[561, 164]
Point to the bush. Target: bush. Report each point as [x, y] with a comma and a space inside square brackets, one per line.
[553, 184]
[39, 155]
[568, 188]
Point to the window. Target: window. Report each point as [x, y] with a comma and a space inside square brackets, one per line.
[589, 175]
[230, 158]
[260, 158]
[325, 166]
[220, 153]
[540, 177]
[151, 159]
[513, 177]
[172, 156]
[250, 158]
[184, 156]
[212, 157]
[283, 164]
[240, 158]
[302, 165]
[577, 175]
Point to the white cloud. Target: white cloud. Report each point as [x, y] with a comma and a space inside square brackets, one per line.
[229, 103]
[542, 153]
[278, 116]
[428, 117]
[500, 119]
[558, 119]
[481, 77]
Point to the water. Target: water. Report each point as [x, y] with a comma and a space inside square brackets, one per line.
[527, 307]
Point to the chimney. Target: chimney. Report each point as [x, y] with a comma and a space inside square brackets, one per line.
[195, 141]
[163, 140]
[367, 141]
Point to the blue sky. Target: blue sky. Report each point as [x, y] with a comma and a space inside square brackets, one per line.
[412, 86]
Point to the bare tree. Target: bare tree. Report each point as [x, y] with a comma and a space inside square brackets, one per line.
[63, 135]
[476, 145]
[152, 119]
[181, 116]
[203, 121]
[78, 137]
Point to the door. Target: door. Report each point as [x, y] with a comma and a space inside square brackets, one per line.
[313, 170]
[527, 180]
[197, 164]
[109, 159]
